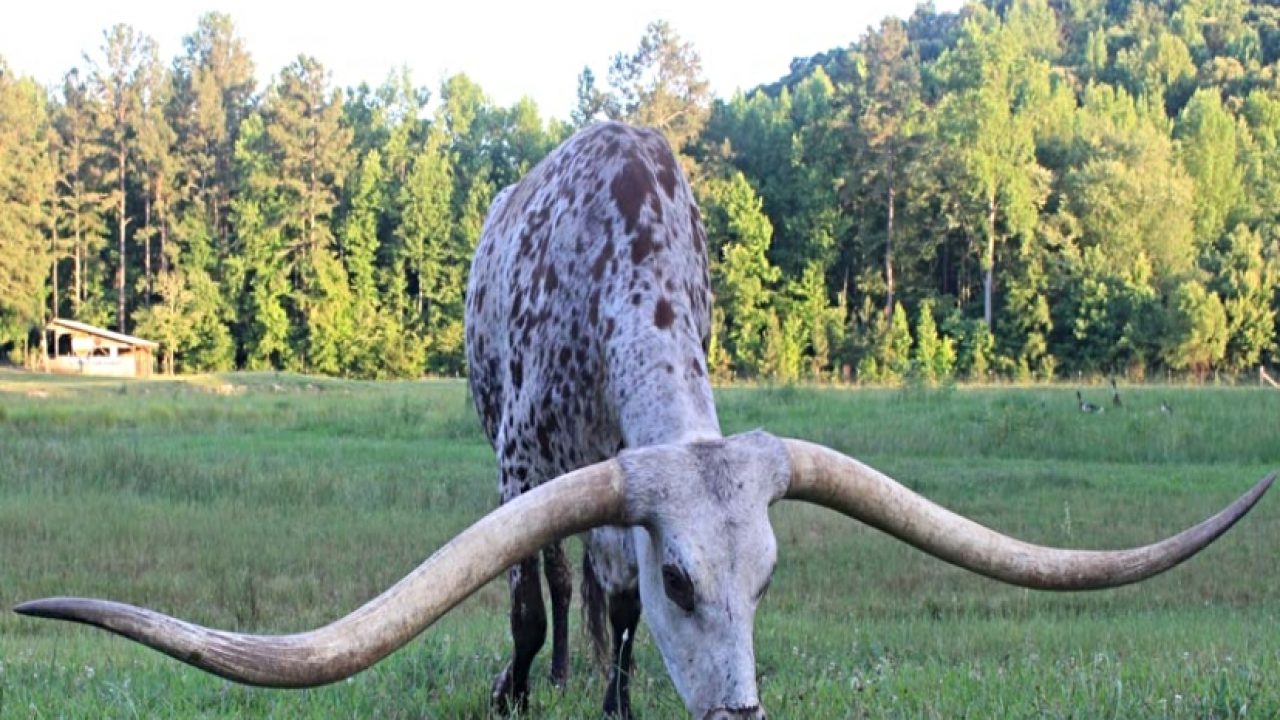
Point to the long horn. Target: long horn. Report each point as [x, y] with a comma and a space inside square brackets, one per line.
[825, 477]
[570, 504]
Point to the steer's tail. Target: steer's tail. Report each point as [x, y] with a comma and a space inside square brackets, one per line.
[594, 611]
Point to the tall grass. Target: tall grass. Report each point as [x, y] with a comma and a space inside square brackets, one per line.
[274, 503]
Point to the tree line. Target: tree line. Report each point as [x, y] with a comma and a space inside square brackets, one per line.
[1021, 189]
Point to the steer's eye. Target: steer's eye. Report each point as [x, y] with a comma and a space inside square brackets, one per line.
[678, 586]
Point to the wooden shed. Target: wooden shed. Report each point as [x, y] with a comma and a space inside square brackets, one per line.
[81, 349]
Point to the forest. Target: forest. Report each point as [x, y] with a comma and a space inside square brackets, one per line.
[1021, 190]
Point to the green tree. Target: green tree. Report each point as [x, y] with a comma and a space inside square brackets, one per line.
[26, 185]
[116, 81]
[591, 102]
[212, 96]
[820, 321]
[988, 120]
[310, 146]
[256, 212]
[1196, 329]
[167, 321]
[358, 242]
[897, 358]
[425, 205]
[660, 85]
[742, 277]
[83, 201]
[890, 112]
[156, 164]
[1246, 280]
[926, 360]
[1208, 145]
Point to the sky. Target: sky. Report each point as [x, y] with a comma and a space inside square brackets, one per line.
[512, 49]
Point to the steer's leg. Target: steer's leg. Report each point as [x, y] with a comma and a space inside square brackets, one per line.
[624, 616]
[560, 584]
[528, 631]
[528, 615]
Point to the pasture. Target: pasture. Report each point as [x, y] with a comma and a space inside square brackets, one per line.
[274, 503]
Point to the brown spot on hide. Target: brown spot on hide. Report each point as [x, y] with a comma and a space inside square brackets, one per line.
[606, 252]
[642, 245]
[667, 179]
[663, 314]
[517, 373]
[630, 188]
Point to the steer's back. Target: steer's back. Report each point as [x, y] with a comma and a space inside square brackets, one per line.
[588, 308]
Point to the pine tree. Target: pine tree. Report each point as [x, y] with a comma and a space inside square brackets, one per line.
[310, 146]
[425, 211]
[26, 185]
[890, 111]
[660, 85]
[897, 360]
[742, 277]
[156, 165]
[926, 360]
[358, 240]
[212, 95]
[82, 199]
[116, 81]
[264, 324]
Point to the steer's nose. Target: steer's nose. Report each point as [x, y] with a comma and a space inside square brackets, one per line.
[747, 713]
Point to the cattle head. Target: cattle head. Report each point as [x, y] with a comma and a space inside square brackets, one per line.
[706, 556]
[699, 513]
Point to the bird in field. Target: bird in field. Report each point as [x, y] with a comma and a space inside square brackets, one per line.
[1086, 406]
[1166, 408]
[1115, 394]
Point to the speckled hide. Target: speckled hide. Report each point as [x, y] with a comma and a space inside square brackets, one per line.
[588, 317]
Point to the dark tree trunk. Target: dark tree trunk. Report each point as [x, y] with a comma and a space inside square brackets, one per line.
[888, 248]
[989, 263]
[120, 225]
[53, 273]
[146, 248]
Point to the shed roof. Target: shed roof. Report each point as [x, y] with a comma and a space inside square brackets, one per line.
[63, 324]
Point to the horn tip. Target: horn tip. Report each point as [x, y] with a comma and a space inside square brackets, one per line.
[56, 608]
[46, 608]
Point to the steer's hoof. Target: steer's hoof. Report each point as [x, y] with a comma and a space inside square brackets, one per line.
[506, 698]
[559, 677]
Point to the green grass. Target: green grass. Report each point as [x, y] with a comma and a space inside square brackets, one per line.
[274, 503]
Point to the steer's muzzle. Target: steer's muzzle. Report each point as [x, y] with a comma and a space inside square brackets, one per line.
[747, 713]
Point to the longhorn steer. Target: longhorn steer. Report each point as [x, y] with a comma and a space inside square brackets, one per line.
[587, 325]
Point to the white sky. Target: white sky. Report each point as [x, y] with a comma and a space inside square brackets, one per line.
[512, 49]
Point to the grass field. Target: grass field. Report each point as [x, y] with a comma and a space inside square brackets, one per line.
[276, 503]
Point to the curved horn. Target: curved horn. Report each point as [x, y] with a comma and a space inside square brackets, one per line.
[570, 504]
[825, 477]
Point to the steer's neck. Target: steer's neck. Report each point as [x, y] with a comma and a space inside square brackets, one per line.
[663, 395]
